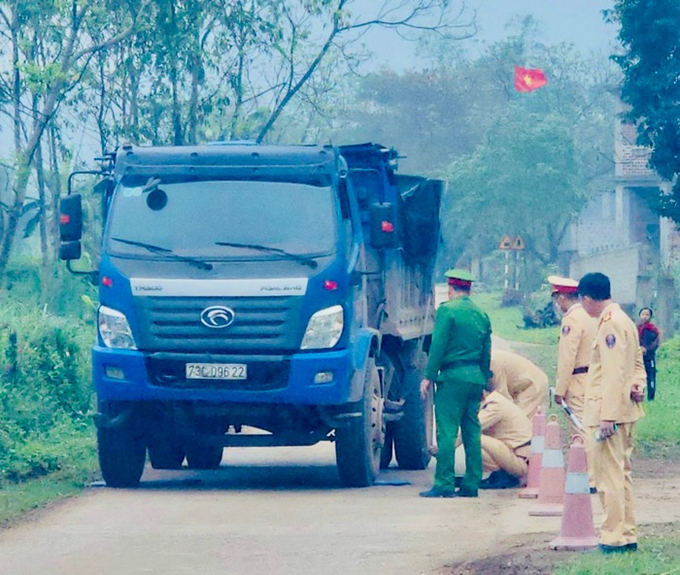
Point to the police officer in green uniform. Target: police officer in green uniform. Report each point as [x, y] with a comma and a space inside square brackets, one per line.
[459, 360]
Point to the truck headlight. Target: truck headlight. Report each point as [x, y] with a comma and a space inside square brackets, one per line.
[114, 329]
[324, 328]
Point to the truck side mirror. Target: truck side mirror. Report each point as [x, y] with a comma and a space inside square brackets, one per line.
[383, 226]
[71, 218]
[70, 227]
[69, 251]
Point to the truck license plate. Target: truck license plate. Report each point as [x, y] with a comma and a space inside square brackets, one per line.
[216, 371]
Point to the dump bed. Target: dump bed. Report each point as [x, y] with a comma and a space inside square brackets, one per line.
[402, 287]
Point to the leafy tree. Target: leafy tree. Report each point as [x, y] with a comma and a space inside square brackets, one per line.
[650, 39]
[540, 157]
[50, 50]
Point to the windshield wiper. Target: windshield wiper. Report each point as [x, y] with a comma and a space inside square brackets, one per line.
[312, 263]
[166, 252]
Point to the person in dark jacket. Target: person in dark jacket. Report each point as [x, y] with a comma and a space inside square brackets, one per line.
[459, 364]
[649, 342]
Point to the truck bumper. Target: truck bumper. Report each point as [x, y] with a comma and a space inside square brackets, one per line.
[122, 375]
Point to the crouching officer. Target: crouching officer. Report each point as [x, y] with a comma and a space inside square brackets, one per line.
[506, 442]
[458, 363]
[520, 380]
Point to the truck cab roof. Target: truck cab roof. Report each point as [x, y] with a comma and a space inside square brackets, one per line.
[314, 164]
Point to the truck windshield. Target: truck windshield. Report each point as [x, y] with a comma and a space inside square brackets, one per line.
[222, 219]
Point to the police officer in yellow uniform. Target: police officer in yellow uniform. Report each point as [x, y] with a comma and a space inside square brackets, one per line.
[577, 331]
[520, 380]
[459, 365]
[614, 390]
[506, 442]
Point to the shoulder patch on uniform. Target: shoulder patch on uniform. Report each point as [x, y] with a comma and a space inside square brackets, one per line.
[565, 330]
[610, 340]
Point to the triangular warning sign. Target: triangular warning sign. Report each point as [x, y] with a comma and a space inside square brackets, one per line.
[518, 243]
[506, 243]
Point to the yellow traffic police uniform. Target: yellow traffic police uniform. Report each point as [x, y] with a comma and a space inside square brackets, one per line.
[506, 437]
[577, 332]
[615, 366]
[520, 380]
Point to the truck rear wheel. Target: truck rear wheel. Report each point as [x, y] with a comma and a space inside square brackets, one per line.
[413, 432]
[121, 454]
[359, 445]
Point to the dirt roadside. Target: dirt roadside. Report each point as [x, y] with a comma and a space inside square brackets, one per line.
[657, 498]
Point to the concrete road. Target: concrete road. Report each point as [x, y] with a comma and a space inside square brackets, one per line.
[280, 511]
[266, 510]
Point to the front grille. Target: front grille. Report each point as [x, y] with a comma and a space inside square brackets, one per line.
[261, 324]
[262, 375]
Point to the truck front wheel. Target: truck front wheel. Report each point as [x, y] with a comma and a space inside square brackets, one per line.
[358, 446]
[122, 454]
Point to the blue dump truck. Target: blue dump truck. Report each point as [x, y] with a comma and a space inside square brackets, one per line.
[254, 295]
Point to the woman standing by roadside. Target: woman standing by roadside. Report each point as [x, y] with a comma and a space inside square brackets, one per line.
[649, 341]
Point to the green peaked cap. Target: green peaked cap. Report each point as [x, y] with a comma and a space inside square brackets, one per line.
[459, 274]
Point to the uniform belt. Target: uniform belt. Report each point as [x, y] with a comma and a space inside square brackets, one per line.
[459, 363]
[579, 370]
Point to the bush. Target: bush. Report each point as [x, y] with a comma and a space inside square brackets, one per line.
[45, 392]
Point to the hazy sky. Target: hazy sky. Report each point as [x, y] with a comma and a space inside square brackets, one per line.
[575, 21]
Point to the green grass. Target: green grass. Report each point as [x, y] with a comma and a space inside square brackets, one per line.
[658, 433]
[75, 473]
[658, 554]
[506, 322]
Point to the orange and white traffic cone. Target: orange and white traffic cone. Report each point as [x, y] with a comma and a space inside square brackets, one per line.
[535, 460]
[577, 531]
[551, 486]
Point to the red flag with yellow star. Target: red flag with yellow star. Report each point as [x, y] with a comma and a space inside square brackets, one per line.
[529, 80]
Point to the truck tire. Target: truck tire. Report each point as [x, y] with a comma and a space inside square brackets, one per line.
[166, 454]
[413, 432]
[121, 454]
[204, 456]
[358, 446]
[388, 447]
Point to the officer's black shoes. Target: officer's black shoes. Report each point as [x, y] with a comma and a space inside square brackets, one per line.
[466, 492]
[593, 490]
[609, 549]
[437, 492]
[500, 480]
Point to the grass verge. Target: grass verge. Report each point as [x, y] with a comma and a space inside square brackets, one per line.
[659, 554]
[76, 473]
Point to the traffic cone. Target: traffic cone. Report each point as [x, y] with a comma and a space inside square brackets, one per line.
[551, 485]
[535, 461]
[577, 531]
